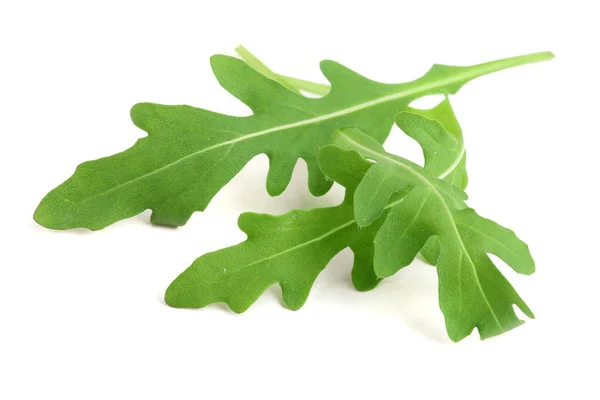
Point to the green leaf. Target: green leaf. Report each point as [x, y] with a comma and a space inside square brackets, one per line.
[439, 134]
[382, 180]
[473, 293]
[191, 153]
[289, 249]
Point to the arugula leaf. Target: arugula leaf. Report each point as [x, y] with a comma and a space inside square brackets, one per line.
[439, 134]
[289, 249]
[391, 209]
[292, 249]
[473, 293]
[191, 153]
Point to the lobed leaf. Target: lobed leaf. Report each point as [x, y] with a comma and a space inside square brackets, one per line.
[290, 249]
[383, 179]
[440, 136]
[190, 153]
[473, 293]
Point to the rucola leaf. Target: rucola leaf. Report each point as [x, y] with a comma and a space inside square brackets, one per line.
[289, 249]
[191, 153]
[440, 136]
[473, 293]
[410, 205]
[293, 248]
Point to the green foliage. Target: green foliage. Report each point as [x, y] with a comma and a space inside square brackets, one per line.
[440, 136]
[393, 209]
[191, 153]
[289, 249]
[292, 249]
[473, 293]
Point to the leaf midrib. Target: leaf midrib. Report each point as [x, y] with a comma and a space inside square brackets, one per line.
[329, 233]
[432, 187]
[455, 163]
[309, 242]
[417, 88]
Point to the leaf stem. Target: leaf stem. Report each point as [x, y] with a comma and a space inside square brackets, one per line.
[307, 86]
[296, 85]
[504, 63]
[293, 84]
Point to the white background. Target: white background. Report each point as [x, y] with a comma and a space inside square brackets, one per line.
[81, 313]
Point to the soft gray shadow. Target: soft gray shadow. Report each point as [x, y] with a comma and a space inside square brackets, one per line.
[411, 295]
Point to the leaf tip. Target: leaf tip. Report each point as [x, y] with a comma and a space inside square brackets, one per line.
[529, 267]
[176, 295]
[328, 68]
[326, 65]
[239, 48]
[275, 189]
[382, 270]
[547, 55]
[139, 114]
[217, 60]
[40, 216]
[51, 215]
